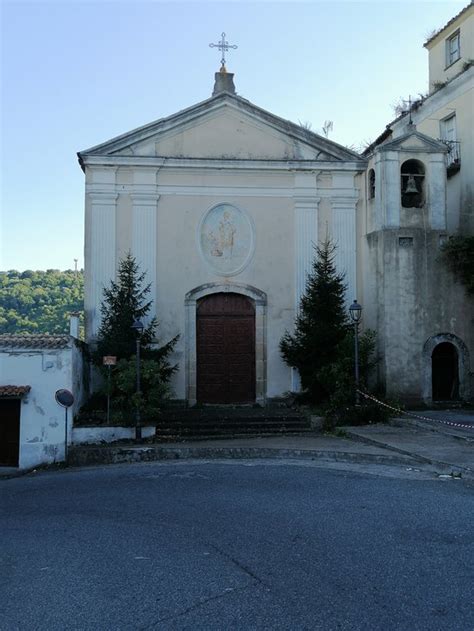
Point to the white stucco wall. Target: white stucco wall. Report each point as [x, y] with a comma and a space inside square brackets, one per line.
[42, 420]
[160, 207]
[96, 435]
[439, 71]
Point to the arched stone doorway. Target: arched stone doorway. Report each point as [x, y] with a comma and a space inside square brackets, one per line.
[192, 302]
[225, 345]
[446, 369]
[445, 372]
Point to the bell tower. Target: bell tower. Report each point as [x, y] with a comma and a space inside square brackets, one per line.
[406, 225]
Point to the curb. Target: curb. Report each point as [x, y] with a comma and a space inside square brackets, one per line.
[122, 454]
[466, 472]
[431, 426]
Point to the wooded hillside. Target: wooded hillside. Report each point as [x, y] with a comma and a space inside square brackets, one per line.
[39, 302]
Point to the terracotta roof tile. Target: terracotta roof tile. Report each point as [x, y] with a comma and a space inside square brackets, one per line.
[14, 391]
[440, 30]
[40, 340]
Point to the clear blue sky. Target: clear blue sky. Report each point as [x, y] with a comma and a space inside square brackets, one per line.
[75, 74]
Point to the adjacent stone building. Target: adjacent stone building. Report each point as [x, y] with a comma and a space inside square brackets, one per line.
[420, 190]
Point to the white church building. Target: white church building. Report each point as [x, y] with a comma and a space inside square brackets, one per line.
[222, 203]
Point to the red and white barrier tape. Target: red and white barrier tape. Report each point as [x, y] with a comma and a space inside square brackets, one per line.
[422, 418]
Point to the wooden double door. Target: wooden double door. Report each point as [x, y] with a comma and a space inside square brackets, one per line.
[225, 349]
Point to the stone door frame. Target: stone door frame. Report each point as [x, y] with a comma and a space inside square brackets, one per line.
[190, 305]
[463, 365]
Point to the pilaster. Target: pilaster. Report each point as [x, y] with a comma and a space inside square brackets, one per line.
[102, 263]
[344, 236]
[390, 206]
[144, 238]
[436, 181]
[306, 237]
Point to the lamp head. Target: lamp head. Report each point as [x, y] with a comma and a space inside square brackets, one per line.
[355, 311]
[138, 327]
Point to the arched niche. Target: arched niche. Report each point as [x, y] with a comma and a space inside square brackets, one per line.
[371, 184]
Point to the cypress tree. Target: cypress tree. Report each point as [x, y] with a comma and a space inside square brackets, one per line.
[321, 325]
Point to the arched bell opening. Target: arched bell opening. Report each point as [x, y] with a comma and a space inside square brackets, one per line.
[412, 184]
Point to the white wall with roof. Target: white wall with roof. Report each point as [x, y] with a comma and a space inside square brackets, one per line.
[46, 364]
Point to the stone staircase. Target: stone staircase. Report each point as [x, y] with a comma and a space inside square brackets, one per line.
[213, 422]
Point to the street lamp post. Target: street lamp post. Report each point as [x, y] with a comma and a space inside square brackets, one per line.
[137, 326]
[355, 311]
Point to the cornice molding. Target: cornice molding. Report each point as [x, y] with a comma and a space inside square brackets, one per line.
[222, 164]
[144, 199]
[102, 198]
[306, 201]
[345, 203]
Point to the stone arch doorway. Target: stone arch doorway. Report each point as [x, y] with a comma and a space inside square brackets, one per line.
[259, 299]
[225, 346]
[445, 372]
[446, 369]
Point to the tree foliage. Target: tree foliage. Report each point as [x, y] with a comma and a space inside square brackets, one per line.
[321, 325]
[39, 301]
[458, 253]
[125, 301]
[322, 345]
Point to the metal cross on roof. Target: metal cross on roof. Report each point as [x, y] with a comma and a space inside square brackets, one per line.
[224, 46]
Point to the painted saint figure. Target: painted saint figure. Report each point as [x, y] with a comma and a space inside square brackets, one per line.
[223, 242]
[226, 234]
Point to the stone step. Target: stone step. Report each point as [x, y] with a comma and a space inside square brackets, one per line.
[208, 422]
[203, 437]
[197, 424]
[212, 412]
[234, 429]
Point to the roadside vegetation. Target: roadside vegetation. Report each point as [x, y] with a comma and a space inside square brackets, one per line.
[39, 301]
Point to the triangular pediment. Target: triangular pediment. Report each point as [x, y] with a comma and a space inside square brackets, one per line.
[414, 141]
[224, 127]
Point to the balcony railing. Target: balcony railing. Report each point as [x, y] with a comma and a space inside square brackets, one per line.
[454, 151]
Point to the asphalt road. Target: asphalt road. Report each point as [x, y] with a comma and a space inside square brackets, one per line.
[237, 545]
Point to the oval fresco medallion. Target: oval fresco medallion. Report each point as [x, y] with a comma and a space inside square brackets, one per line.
[226, 239]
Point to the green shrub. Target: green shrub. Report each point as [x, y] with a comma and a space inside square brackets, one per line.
[368, 413]
[154, 389]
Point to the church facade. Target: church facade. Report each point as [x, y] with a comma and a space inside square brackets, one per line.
[222, 203]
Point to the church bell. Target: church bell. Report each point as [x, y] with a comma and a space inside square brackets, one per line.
[411, 185]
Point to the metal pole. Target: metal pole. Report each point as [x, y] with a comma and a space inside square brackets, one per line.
[108, 396]
[65, 435]
[356, 360]
[138, 429]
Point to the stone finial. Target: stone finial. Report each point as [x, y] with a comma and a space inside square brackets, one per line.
[224, 82]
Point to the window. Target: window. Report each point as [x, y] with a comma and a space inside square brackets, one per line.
[448, 128]
[448, 136]
[453, 49]
[371, 184]
[412, 183]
